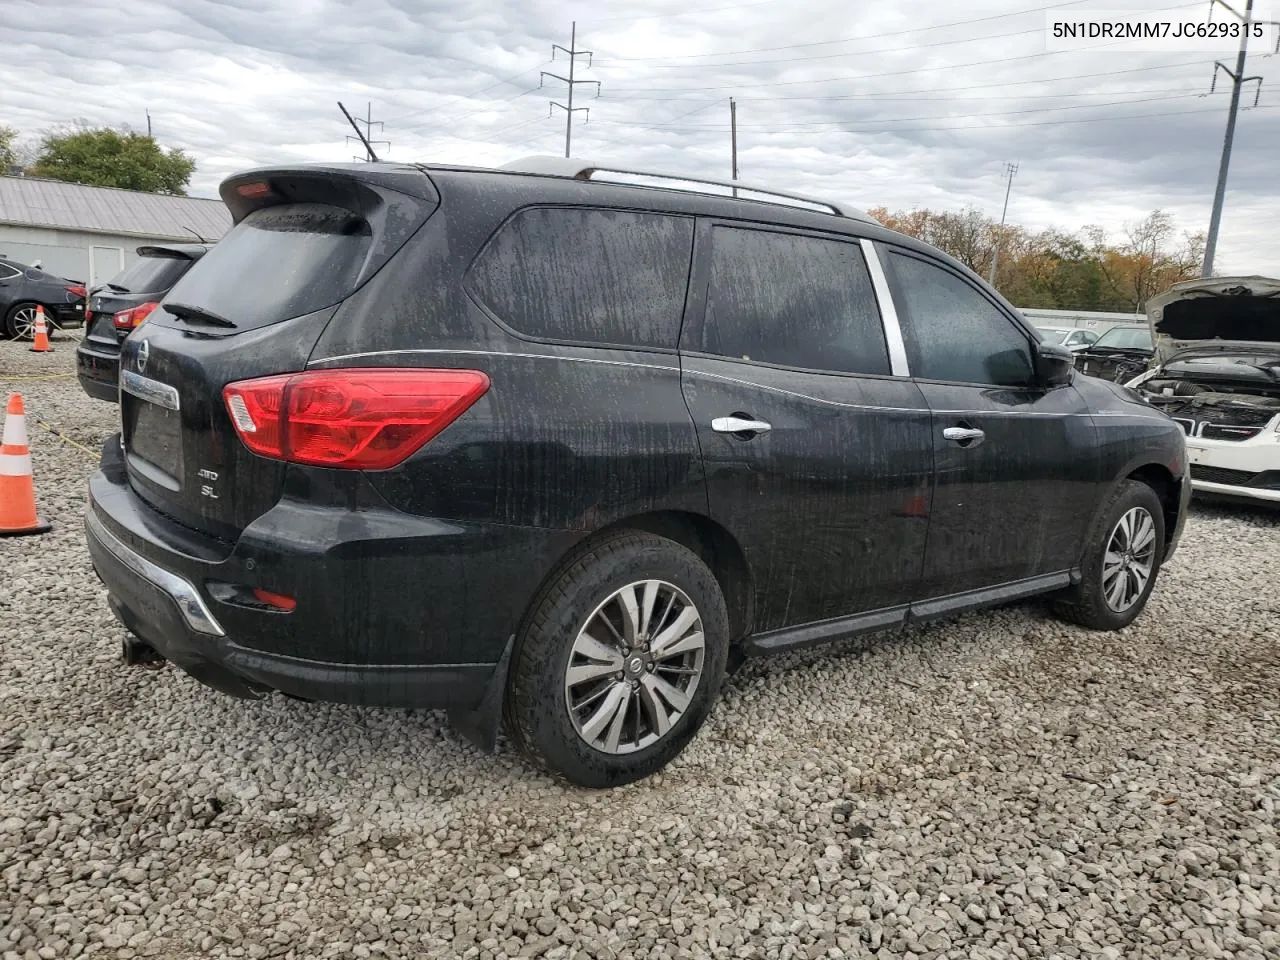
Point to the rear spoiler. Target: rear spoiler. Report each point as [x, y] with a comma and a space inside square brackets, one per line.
[394, 200]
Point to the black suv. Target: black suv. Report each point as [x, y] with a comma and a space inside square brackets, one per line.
[121, 305]
[540, 443]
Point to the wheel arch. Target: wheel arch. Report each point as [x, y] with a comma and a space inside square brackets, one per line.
[1167, 487]
[710, 541]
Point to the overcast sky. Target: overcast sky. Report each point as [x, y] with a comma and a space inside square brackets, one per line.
[893, 104]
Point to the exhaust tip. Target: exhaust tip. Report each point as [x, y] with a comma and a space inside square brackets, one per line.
[135, 652]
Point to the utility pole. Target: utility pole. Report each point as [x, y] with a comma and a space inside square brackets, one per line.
[573, 52]
[733, 127]
[1238, 80]
[1009, 169]
[364, 137]
[148, 124]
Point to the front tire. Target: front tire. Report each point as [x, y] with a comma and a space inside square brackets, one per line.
[1122, 560]
[619, 663]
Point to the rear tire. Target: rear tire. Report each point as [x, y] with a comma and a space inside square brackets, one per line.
[619, 663]
[1122, 559]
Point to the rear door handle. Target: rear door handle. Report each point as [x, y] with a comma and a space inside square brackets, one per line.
[739, 425]
[965, 436]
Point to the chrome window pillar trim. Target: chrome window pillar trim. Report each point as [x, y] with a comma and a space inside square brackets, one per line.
[888, 311]
[181, 591]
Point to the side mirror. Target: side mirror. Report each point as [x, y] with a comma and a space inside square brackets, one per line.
[1054, 364]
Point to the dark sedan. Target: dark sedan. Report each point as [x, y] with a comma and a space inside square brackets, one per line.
[122, 304]
[1119, 354]
[24, 287]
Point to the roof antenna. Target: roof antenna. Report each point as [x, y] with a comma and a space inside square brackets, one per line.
[194, 234]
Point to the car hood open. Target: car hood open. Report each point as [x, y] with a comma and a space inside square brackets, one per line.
[1216, 315]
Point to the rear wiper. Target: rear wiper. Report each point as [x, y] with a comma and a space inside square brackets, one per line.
[185, 311]
[119, 289]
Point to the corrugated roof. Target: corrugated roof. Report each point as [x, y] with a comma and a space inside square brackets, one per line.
[33, 202]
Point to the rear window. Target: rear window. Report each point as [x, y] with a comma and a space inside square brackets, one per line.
[588, 276]
[149, 275]
[277, 263]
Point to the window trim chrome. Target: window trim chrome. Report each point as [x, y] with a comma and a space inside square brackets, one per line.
[889, 322]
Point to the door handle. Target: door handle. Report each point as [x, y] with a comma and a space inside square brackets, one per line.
[965, 436]
[739, 425]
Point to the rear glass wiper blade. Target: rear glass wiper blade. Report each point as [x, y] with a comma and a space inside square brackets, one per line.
[119, 289]
[185, 311]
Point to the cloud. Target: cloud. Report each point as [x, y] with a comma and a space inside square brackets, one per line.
[890, 104]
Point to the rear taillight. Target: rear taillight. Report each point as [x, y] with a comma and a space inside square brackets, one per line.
[129, 319]
[356, 418]
[76, 290]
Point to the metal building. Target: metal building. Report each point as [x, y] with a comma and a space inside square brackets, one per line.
[88, 234]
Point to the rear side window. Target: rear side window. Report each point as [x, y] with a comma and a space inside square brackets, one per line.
[149, 275]
[588, 276]
[7, 272]
[277, 263]
[792, 300]
[952, 332]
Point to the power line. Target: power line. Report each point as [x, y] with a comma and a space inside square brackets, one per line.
[989, 126]
[720, 128]
[973, 86]
[469, 96]
[871, 36]
[569, 81]
[491, 104]
[893, 73]
[605, 64]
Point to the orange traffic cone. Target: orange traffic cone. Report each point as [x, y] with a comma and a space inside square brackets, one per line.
[17, 485]
[41, 344]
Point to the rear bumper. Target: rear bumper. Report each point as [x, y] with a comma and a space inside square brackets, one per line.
[98, 370]
[67, 316]
[437, 649]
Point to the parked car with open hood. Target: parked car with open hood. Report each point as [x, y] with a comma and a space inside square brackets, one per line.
[1217, 372]
[1119, 354]
[24, 287]
[121, 305]
[546, 444]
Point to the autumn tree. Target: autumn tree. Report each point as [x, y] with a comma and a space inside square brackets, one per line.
[105, 157]
[1054, 269]
[8, 150]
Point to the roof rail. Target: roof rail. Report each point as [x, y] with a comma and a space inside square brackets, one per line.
[582, 170]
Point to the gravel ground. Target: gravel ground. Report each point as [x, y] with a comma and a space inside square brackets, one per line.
[998, 786]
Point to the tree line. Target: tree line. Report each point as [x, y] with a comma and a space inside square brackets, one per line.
[98, 157]
[1055, 270]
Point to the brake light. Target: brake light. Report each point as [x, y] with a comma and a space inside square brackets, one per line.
[130, 319]
[259, 188]
[76, 290]
[356, 418]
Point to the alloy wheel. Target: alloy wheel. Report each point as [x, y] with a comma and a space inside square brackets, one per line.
[1129, 560]
[634, 667]
[24, 323]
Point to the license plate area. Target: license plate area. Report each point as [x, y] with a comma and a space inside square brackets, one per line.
[152, 431]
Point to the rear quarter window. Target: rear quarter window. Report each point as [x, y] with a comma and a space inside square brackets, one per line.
[610, 277]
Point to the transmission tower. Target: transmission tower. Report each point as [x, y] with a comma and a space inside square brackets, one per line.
[364, 136]
[569, 110]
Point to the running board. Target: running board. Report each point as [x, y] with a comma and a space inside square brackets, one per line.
[886, 618]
